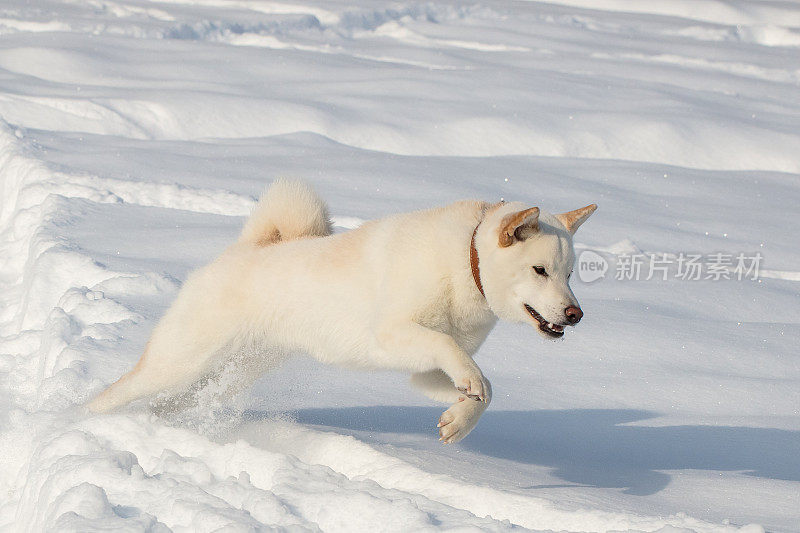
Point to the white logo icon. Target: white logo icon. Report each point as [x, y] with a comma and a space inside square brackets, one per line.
[591, 266]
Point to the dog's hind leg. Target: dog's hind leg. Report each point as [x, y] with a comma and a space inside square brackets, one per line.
[139, 382]
[235, 370]
[173, 359]
[463, 414]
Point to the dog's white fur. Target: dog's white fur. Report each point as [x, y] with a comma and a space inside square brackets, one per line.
[396, 293]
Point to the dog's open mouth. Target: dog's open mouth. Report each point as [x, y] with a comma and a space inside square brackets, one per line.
[554, 330]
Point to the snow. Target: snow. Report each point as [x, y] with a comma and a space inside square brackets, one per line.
[135, 136]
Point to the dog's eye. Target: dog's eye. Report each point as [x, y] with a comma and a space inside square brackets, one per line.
[541, 271]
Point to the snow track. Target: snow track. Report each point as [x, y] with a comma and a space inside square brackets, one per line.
[136, 134]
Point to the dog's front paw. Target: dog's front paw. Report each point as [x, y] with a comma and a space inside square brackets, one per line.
[473, 385]
[459, 420]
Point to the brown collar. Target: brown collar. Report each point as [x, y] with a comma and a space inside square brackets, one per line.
[473, 261]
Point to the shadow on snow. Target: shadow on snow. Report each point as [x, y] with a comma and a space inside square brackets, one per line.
[591, 446]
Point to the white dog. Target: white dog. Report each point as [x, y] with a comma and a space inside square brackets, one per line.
[417, 292]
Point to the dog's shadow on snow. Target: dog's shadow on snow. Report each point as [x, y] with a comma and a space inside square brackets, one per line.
[592, 446]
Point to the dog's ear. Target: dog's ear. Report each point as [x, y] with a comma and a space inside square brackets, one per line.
[518, 226]
[573, 219]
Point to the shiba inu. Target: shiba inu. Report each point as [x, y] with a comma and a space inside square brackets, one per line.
[417, 292]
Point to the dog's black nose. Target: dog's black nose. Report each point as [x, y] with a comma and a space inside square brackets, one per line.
[574, 314]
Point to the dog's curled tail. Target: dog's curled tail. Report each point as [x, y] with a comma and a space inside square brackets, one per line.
[287, 210]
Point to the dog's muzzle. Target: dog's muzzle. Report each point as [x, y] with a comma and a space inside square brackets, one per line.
[551, 329]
